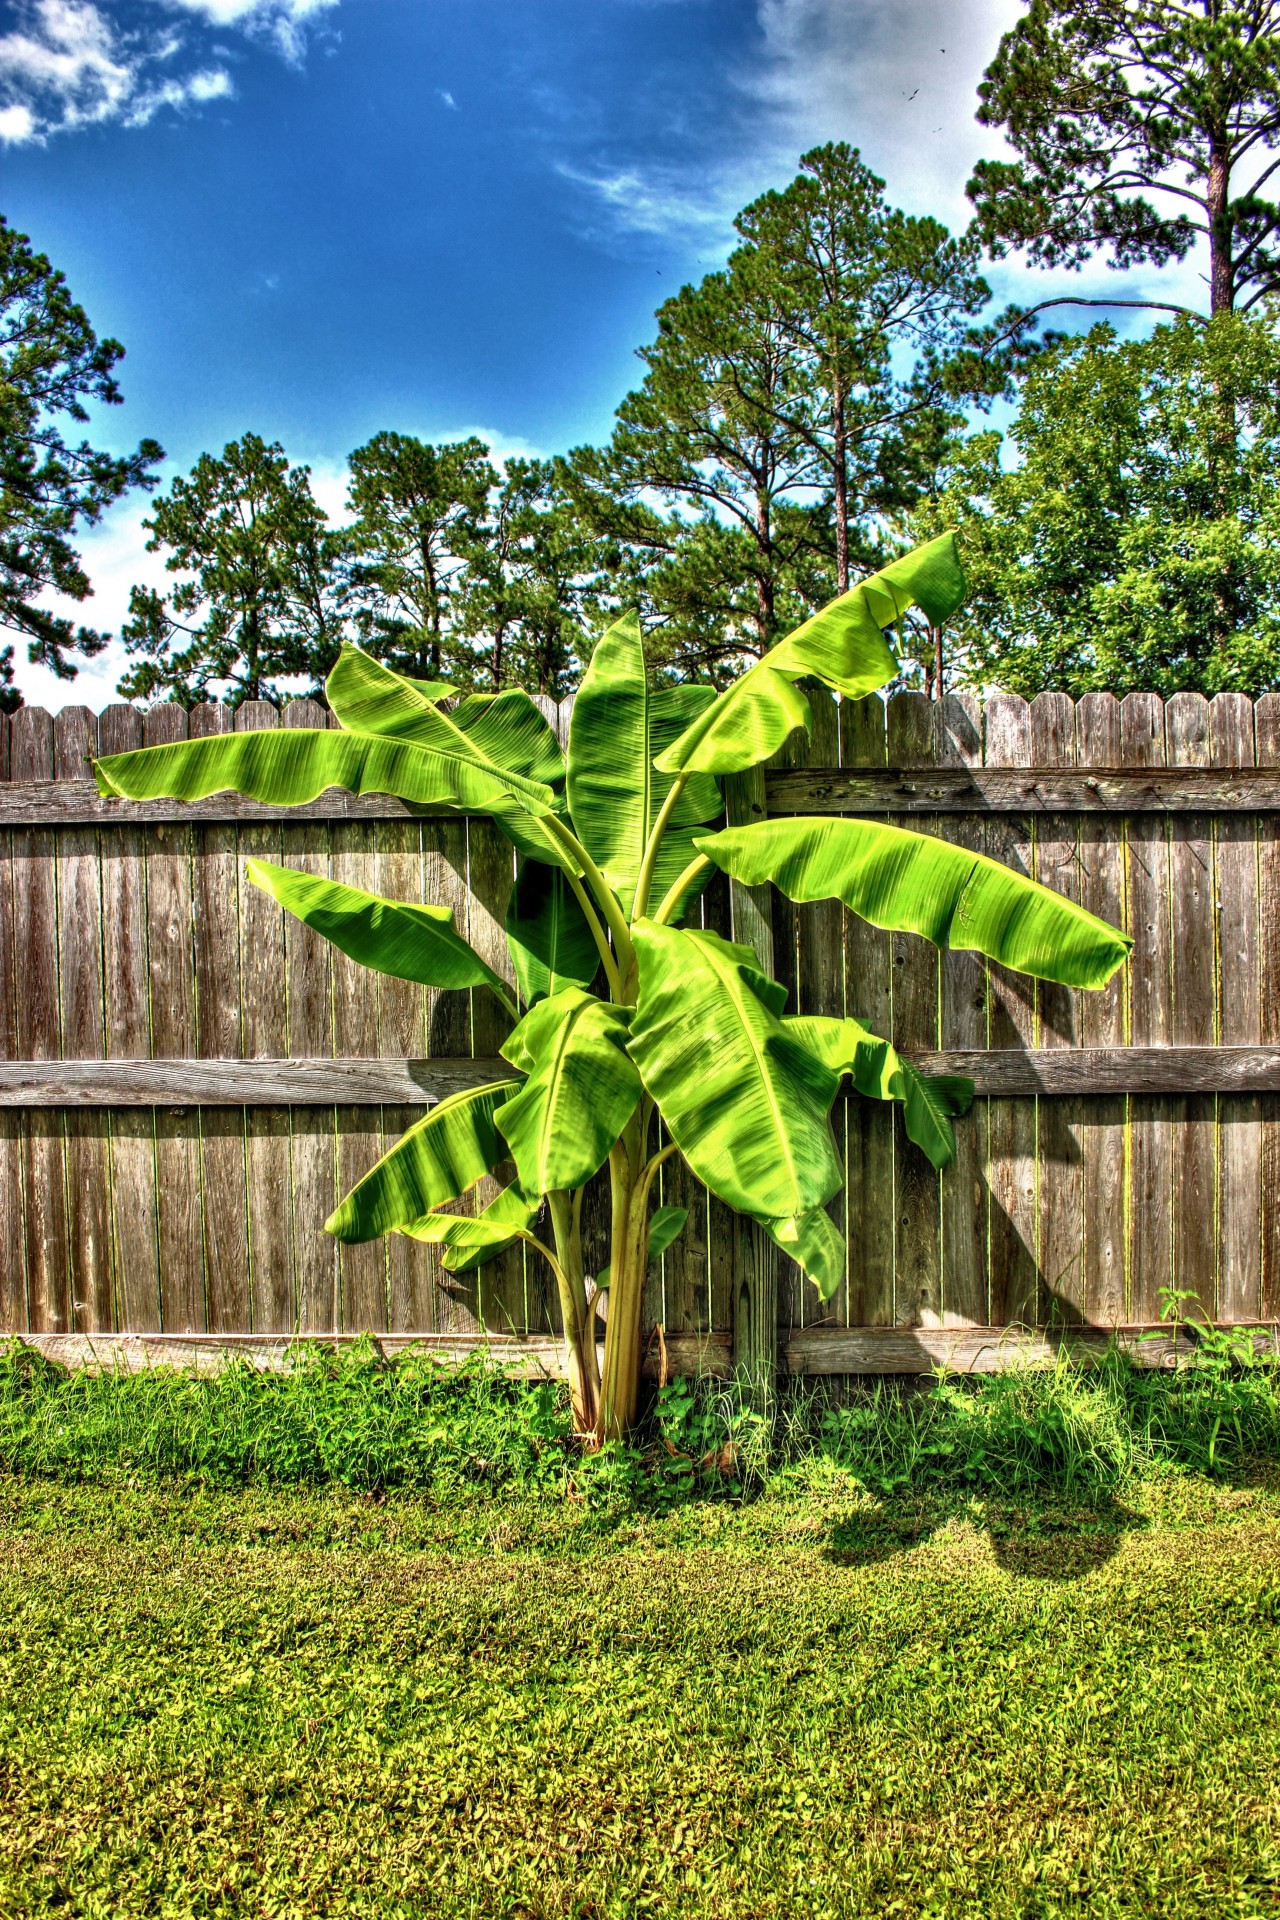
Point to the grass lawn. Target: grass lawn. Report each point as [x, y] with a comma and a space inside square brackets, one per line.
[247, 1700]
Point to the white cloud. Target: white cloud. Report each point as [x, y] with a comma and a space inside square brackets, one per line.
[447, 98]
[656, 201]
[69, 64]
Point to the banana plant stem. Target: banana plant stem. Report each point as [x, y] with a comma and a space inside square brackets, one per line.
[598, 934]
[608, 900]
[650, 860]
[671, 899]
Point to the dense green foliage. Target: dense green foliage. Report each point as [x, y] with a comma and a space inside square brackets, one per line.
[478, 1699]
[1118, 537]
[52, 367]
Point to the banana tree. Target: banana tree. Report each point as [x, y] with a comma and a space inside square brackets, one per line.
[635, 1033]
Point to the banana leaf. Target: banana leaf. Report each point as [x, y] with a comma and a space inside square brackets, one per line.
[879, 1073]
[483, 1234]
[440, 1157]
[746, 1104]
[843, 645]
[400, 938]
[511, 1211]
[913, 883]
[551, 944]
[665, 1228]
[581, 1090]
[816, 1245]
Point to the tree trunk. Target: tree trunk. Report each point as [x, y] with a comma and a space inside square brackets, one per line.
[1222, 292]
[840, 471]
[764, 576]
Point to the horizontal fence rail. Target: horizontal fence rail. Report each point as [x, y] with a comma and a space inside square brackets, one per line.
[189, 1080]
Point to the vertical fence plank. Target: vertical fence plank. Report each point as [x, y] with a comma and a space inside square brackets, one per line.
[82, 1015]
[266, 1036]
[1235, 895]
[1150, 1224]
[1013, 1227]
[868, 996]
[171, 973]
[1266, 718]
[491, 869]
[135, 1257]
[402, 1029]
[963, 1023]
[1061, 1201]
[35, 913]
[224, 1192]
[1195, 1241]
[448, 1026]
[312, 1146]
[912, 741]
[1103, 1023]
[717, 915]
[13, 1264]
[362, 1269]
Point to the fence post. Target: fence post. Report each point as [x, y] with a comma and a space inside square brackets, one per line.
[755, 1261]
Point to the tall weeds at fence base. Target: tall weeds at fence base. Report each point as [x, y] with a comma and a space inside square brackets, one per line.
[351, 1419]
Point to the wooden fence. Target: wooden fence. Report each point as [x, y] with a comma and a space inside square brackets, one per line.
[189, 1080]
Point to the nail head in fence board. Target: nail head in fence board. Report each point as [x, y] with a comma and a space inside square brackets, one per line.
[1195, 1240]
[402, 1029]
[171, 971]
[963, 1023]
[1060, 1235]
[1266, 717]
[271, 1288]
[79, 888]
[1235, 894]
[312, 1135]
[911, 741]
[13, 1271]
[362, 1270]
[1150, 1263]
[135, 1254]
[868, 969]
[36, 941]
[1011, 1024]
[225, 1200]
[1103, 1023]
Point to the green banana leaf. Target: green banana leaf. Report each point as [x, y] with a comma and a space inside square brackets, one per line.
[292, 765]
[439, 1158]
[916, 884]
[509, 728]
[879, 1073]
[816, 1245]
[484, 1234]
[843, 645]
[666, 1224]
[551, 944]
[619, 723]
[510, 1210]
[744, 1102]
[581, 1090]
[395, 937]
[505, 729]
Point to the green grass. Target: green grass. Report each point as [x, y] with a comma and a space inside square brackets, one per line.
[370, 1642]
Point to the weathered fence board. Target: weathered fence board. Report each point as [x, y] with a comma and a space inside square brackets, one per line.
[189, 1079]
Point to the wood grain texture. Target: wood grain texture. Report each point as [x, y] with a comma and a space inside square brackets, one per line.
[1011, 1024]
[912, 740]
[1060, 1233]
[490, 874]
[412, 1268]
[1142, 743]
[1195, 1012]
[868, 969]
[35, 917]
[265, 1030]
[1042, 788]
[1266, 720]
[1104, 1023]
[362, 1270]
[13, 1264]
[963, 1023]
[1237, 971]
[81, 991]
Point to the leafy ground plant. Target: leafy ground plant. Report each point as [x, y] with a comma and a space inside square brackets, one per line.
[626, 1018]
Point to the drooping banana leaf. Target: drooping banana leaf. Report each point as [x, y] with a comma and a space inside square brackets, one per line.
[506, 729]
[744, 1102]
[816, 1245]
[913, 883]
[439, 1158]
[290, 766]
[551, 943]
[395, 937]
[666, 1224]
[843, 645]
[620, 722]
[880, 1073]
[581, 1090]
[483, 1234]
[510, 1211]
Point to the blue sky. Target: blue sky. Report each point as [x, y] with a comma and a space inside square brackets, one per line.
[318, 218]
